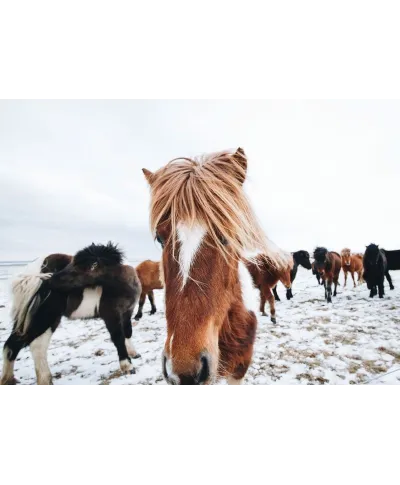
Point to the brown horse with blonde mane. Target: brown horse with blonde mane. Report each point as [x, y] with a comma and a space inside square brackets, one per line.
[204, 223]
[151, 279]
[352, 263]
[265, 277]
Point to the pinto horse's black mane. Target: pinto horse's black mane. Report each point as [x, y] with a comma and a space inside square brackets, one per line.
[101, 254]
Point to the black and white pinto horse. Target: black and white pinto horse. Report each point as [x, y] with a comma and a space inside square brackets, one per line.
[300, 258]
[93, 284]
[375, 270]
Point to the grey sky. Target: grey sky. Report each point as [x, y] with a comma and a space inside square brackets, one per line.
[320, 172]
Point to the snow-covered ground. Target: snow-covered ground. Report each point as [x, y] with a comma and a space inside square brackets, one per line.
[355, 340]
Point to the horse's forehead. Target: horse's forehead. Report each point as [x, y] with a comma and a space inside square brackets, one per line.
[190, 238]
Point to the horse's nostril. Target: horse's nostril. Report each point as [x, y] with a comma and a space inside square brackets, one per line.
[205, 369]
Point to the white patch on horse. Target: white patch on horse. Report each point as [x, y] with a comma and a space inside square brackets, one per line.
[190, 239]
[39, 353]
[130, 348]
[125, 365]
[249, 293]
[170, 345]
[24, 287]
[89, 305]
[234, 382]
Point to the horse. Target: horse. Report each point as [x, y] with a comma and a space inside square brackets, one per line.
[300, 258]
[328, 264]
[201, 217]
[375, 269]
[151, 279]
[92, 284]
[316, 274]
[393, 263]
[352, 263]
[265, 277]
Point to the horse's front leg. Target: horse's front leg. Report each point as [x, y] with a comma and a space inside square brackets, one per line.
[345, 279]
[381, 288]
[329, 290]
[114, 324]
[354, 281]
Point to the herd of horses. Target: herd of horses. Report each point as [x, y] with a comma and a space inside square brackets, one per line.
[207, 230]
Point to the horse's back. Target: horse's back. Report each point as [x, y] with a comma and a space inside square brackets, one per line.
[149, 274]
[393, 259]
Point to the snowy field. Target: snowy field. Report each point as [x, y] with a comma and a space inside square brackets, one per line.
[355, 340]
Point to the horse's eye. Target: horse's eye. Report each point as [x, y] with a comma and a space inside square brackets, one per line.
[160, 239]
[224, 241]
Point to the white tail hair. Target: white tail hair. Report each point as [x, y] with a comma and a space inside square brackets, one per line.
[25, 297]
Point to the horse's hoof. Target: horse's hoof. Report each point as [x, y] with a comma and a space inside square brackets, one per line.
[137, 356]
[132, 371]
[392, 287]
[138, 317]
[273, 319]
[152, 313]
[263, 314]
[9, 382]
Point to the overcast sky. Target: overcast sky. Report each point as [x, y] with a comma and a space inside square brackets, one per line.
[320, 172]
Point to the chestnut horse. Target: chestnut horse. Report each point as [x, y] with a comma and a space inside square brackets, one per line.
[151, 279]
[265, 277]
[92, 284]
[204, 223]
[352, 263]
[328, 264]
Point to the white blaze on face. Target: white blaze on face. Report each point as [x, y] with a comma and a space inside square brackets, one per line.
[249, 293]
[190, 239]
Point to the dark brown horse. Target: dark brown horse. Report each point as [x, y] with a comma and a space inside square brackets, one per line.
[201, 216]
[151, 279]
[328, 264]
[92, 284]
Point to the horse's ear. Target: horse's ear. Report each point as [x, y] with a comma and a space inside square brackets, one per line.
[149, 175]
[241, 158]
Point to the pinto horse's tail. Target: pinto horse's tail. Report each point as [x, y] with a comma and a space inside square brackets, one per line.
[27, 296]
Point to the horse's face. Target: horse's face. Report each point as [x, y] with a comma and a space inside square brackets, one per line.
[199, 287]
[371, 255]
[303, 258]
[346, 257]
[200, 261]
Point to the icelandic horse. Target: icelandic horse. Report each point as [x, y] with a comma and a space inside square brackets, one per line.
[352, 263]
[92, 284]
[200, 215]
[265, 278]
[151, 279]
[328, 264]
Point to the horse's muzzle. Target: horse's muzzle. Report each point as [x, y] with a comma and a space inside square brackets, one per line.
[200, 377]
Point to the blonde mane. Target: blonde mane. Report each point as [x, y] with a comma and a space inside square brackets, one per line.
[209, 192]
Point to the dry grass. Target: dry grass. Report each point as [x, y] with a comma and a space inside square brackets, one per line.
[394, 354]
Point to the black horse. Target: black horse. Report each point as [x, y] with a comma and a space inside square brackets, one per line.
[93, 284]
[375, 270]
[393, 263]
[300, 258]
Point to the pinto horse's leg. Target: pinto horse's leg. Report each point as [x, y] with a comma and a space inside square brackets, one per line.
[114, 324]
[142, 299]
[276, 296]
[11, 350]
[234, 382]
[38, 349]
[150, 294]
[271, 302]
[128, 336]
[389, 279]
